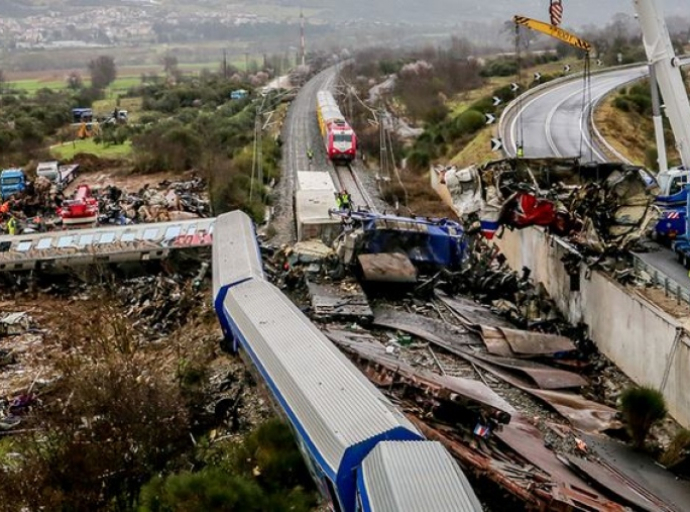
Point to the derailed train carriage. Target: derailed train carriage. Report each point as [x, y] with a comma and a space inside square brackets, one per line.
[338, 137]
[361, 450]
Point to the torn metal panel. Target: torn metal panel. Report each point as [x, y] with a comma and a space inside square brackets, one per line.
[582, 413]
[642, 473]
[387, 267]
[473, 313]
[530, 484]
[386, 370]
[602, 477]
[434, 331]
[544, 376]
[536, 343]
[333, 301]
[528, 441]
[495, 341]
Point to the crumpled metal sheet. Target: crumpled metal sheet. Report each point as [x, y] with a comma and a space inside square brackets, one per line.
[387, 268]
[331, 301]
[544, 376]
[536, 343]
[473, 313]
[429, 329]
[582, 413]
[442, 386]
[495, 341]
[605, 478]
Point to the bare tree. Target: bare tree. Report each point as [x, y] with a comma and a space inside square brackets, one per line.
[171, 67]
[74, 81]
[103, 71]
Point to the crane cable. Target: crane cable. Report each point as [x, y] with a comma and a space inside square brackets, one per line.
[586, 105]
[521, 129]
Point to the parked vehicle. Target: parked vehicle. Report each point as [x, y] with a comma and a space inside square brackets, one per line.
[83, 209]
[12, 181]
[681, 246]
[61, 175]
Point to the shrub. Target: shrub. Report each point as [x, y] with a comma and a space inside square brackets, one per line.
[470, 121]
[676, 451]
[622, 103]
[642, 407]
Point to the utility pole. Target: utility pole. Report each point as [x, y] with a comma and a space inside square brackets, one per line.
[301, 39]
[246, 62]
[225, 64]
[658, 122]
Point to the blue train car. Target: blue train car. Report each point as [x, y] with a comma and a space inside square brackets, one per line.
[414, 477]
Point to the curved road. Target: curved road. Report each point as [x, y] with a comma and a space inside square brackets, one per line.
[554, 124]
[553, 121]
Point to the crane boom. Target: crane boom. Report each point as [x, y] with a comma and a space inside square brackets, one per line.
[553, 31]
[662, 57]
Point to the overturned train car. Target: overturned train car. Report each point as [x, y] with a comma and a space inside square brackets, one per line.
[362, 451]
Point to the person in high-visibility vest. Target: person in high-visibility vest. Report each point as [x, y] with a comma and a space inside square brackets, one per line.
[520, 151]
[12, 226]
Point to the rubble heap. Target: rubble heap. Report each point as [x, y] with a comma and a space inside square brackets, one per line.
[601, 209]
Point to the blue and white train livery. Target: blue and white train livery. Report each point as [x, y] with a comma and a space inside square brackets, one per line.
[338, 416]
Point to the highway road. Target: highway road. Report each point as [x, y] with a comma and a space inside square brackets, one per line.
[553, 123]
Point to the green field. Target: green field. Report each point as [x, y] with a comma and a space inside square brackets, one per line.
[121, 84]
[67, 150]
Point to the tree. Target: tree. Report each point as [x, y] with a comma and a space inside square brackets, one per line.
[170, 67]
[74, 81]
[103, 71]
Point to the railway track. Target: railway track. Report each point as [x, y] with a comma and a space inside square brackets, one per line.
[345, 178]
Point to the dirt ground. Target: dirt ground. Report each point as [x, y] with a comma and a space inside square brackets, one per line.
[124, 179]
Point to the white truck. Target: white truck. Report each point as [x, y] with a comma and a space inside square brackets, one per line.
[60, 175]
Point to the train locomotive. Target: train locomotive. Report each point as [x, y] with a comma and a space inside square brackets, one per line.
[339, 138]
[362, 452]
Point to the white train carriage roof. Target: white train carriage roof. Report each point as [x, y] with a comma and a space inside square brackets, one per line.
[415, 476]
[236, 255]
[329, 399]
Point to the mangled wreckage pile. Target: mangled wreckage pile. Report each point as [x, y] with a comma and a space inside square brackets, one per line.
[40, 208]
[387, 248]
[601, 209]
[512, 390]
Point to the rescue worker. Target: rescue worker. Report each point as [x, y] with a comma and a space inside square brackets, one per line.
[310, 153]
[520, 151]
[347, 200]
[12, 226]
[339, 201]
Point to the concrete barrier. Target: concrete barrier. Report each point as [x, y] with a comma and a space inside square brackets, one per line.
[647, 344]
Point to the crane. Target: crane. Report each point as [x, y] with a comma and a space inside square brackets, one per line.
[553, 31]
[666, 66]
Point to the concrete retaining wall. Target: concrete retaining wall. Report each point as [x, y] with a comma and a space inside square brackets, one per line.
[647, 344]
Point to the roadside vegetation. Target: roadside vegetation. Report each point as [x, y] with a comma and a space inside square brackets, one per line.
[127, 425]
[178, 123]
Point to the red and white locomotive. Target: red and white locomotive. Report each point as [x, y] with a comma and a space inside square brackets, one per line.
[339, 138]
